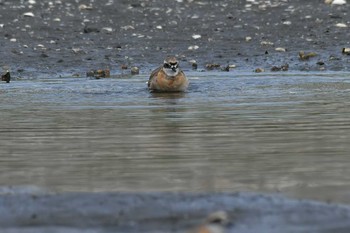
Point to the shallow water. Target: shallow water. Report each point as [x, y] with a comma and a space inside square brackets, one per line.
[280, 132]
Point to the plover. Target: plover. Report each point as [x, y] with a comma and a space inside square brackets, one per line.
[215, 223]
[168, 77]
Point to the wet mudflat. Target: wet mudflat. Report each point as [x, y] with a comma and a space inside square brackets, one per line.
[284, 133]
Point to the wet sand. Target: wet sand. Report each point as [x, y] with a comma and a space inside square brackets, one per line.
[165, 212]
[66, 37]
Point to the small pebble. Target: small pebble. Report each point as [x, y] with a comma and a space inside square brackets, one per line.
[212, 66]
[6, 77]
[341, 25]
[259, 70]
[135, 70]
[338, 2]
[85, 7]
[305, 56]
[266, 43]
[194, 64]
[346, 51]
[193, 47]
[28, 14]
[280, 49]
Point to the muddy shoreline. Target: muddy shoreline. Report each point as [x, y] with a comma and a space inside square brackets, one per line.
[71, 37]
[165, 212]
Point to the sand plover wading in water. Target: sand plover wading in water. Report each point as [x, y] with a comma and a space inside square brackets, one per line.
[168, 77]
[215, 223]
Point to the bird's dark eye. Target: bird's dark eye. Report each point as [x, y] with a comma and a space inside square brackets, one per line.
[166, 65]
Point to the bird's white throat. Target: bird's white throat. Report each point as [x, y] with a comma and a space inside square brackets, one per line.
[170, 72]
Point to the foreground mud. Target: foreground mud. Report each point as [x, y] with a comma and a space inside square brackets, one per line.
[165, 212]
[72, 37]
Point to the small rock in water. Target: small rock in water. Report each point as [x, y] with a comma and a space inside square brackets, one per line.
[194, 64]
[135, 70]
[6, 77]
[346, 51]
[212, 66]
[284, 67]
[259, 70]
[99, 73]
[124, 67]
[306, 56]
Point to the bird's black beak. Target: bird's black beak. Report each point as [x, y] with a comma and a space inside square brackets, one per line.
[173, 68]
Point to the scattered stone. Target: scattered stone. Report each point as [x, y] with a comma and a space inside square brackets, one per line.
[335, 2]
[248, 38]
[306, 56]
[196, 36]
[28, 14]
[284, 67]
[194, 64]
[259, 70]
[341, 25]
[107, 29]
[135, 70]
[99, 73]
[287, 23]
[212, 66]
[6, 77]
[89, 29]
[346, 51]
[124, 67]
[280, 49]
[44, 55]
[127, 27]
[333, 58]
[78, 51]
[226, 68]
[85, 7]
[13, 39]
[193, 47]
[320, 63]
[266, 43]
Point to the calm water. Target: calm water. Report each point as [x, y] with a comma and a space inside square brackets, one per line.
[278, 132]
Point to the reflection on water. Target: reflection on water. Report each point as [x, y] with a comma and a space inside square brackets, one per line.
[228, 132]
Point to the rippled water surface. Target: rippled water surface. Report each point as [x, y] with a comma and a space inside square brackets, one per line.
[278, 132]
